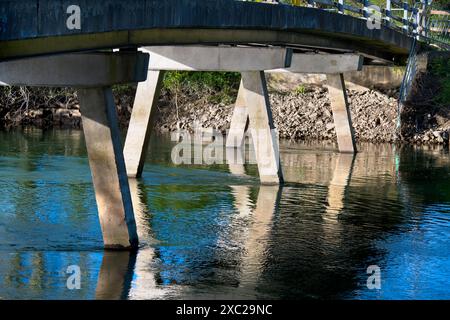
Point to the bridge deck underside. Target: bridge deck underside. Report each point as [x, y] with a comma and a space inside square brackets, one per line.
[36, 27]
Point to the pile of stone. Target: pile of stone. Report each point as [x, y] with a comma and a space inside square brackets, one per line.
[189, 115]
[298, 114]
[306, 115]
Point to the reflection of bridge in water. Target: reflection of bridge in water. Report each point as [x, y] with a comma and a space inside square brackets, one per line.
[315, 207]
[250, 236]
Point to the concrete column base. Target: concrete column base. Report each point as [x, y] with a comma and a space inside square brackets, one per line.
[141, 123]
[112, 193]
[264, 135]
[341, 113]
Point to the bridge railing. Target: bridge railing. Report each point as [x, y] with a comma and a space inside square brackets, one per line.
[417, 18]
[437, 28]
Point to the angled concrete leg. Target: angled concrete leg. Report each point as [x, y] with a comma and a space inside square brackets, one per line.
[141, 123]
[264, 135]
[239, 121]
[341, 113]
[104, 148]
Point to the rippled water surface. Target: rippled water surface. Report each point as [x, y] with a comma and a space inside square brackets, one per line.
[208, 233]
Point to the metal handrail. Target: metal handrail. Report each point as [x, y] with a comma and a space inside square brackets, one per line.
[419, 20]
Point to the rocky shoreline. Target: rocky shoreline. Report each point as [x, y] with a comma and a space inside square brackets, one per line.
[308, 116]
[299, 115]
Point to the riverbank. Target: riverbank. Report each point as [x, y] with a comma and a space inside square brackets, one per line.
[300, 113]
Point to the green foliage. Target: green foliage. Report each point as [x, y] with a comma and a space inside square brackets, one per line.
[294, 2]
[196, 198]
[440, 67]
[221, 86]
[214, 81]
[122, 89]
[301, 89]
[442, 4]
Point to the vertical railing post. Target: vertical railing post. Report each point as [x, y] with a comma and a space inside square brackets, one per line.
[416, 28]
[341, 6]
[405, 17]
[424, 17]
[366, 9]
[388, 12]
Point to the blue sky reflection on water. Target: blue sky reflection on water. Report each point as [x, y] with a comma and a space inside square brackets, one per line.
[206, 233]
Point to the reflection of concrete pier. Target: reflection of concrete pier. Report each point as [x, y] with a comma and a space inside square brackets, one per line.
[317, 167]
[258, 236]
[119, 268]
[115, 275]
[338, 184]
[336, 197]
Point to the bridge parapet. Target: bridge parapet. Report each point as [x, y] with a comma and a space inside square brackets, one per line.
[418, 19]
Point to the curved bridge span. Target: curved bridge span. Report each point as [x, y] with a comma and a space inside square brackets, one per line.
[37, 27]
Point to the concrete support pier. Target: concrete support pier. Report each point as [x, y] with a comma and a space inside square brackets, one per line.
[239, 121]
[141, 122]
[341, 113]
[264, 135]
[249, 60]
[101, 131]
[333, 65]
[93, 74]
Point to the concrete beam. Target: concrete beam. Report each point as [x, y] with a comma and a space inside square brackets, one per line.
[341, 113]
[239, 120]
[109, 176]
[141, 123]
[323, 63]
[264, 135]
[217, 58]
[300, 63]
[75, 70]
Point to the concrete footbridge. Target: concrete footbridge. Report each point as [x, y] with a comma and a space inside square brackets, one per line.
[70, 43]
[34, 27]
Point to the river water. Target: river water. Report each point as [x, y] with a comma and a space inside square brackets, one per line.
[208, 233]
